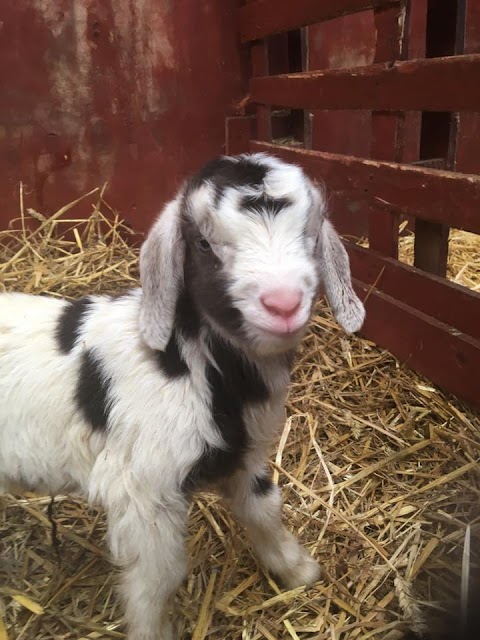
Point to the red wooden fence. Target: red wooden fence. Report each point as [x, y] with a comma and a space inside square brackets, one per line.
[419, 93]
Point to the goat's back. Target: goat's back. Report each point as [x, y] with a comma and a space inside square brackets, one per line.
[83, 400]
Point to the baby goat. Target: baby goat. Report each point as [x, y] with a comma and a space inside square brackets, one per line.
[139, 400]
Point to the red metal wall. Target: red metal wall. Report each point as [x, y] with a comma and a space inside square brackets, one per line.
[133, 92]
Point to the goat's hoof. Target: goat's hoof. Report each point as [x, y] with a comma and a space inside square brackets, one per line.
[165, 633]
[305, 572]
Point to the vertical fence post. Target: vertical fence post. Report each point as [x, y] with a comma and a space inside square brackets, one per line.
[240, 130]
[444, 36]
[263, 112]
[467, 157]
[387, 143]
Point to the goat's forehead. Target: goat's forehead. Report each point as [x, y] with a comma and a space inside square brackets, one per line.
[245, 218]
[255, 170]
[246, 197]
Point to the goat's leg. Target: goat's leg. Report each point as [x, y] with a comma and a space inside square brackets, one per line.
[150, 549]
[257, 504]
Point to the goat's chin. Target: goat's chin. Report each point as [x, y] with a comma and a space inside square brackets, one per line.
[264, 343]
[257, 342]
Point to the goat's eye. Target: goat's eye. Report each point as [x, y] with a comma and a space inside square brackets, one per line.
[203, 245]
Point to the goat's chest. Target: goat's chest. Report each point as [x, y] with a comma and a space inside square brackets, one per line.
[246, 409]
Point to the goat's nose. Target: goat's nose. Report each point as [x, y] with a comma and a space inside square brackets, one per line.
[282, 302]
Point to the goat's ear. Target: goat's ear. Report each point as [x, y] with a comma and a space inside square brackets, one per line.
[161, 274]
[335, 274]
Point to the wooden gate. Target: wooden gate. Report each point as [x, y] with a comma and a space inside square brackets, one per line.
[409, 109]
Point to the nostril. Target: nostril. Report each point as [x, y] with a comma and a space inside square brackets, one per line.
[282, 302]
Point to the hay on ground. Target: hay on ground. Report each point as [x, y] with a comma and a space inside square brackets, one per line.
[378, 467]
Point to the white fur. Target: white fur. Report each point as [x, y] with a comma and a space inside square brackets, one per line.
[158, 426]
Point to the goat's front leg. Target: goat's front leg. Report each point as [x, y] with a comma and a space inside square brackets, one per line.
[148, 543]
[257, 503]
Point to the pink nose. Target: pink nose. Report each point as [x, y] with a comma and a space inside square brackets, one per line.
[282, 302]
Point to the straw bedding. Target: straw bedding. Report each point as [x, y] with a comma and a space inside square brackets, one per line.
[378, 469]
[463, 263]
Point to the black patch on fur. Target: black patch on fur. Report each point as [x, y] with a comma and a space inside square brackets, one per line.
[187, 324]
[93, 391]
[263, 203]
[224, 173]
[206, 287]
[171, 361]
[187, 317]
[235, 384]
[216, 301]
[262, 485]
[70, 323]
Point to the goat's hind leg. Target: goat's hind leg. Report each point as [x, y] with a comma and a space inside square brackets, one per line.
[152, 554]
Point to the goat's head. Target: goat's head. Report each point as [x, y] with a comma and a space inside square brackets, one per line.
[249, 238]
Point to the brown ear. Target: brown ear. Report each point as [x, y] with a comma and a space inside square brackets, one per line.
[335, 273]
[161, 274]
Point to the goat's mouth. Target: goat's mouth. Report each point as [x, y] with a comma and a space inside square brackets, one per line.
[282, 330]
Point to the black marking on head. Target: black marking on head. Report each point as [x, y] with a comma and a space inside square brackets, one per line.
[205, 278]
[93, 391]
[264, 204]
[70, 322]
[262, 485]
[187, 325]
[171, 361]
[224, 173]
[207, 286]
[236, 384]
[187, 318]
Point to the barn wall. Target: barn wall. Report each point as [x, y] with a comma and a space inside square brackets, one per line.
[133, 92]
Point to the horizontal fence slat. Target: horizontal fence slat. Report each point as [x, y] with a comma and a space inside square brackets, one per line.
[268, 17]
[436, 84]
[446, 301]
[448, 358]
[429, 194]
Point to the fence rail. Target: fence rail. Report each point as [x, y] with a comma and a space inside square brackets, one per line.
[430, 194]
[269, 17]
[450, 83]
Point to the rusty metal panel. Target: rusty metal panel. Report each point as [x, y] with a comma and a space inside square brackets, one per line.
[133, 93]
